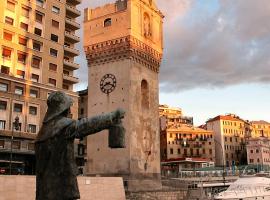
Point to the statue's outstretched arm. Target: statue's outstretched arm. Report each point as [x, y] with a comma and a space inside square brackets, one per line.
[88, 126]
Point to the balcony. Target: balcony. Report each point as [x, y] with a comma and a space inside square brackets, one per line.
[70, 79]
[74, 2]
[72, 11]
[72, 24]
[71, 38]
[71, 65]
[70, 51]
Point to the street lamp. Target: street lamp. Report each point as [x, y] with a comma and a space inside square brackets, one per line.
[16, 126]
[223, 160]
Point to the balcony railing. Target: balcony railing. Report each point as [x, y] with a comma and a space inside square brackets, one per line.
[70, 51]
[71, 65]
[72, 11]
[74, 2]
[19, 151]
[71, 38]
[70, 79]
[72, 24]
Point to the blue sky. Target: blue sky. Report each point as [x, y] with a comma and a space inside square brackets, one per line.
[216, 57]
[249, 101]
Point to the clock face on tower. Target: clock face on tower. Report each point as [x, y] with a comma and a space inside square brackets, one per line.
[107, 83]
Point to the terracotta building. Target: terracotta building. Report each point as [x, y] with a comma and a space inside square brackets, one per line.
[183, 144]
[37, 39]
[230, 133]
[124, 45]
[258, 152]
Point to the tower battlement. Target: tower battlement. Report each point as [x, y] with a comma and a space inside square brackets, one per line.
[107, 9]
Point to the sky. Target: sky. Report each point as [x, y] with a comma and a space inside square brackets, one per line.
[216, 57]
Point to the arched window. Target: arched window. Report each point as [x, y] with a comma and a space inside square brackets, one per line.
[144, 94]
[107, 22]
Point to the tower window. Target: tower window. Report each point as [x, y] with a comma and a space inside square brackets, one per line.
[107, 22]
[144, 94]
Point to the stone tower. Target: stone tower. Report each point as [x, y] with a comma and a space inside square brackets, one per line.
[123, 44]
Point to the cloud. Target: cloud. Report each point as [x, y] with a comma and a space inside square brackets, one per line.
[211, 44]
[217, 47]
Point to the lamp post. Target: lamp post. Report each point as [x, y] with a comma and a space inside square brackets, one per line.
[223, 160]
[16, 126]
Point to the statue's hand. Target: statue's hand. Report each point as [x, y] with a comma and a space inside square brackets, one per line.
[118, 115]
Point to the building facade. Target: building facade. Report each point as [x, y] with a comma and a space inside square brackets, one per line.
[37, 57]
[182, 144]
[230, 133]
[258, 152]
[123, 43]
[260, 129]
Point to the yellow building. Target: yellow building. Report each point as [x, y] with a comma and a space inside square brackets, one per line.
[37, 39]
[260, 129]
[230, 133]
[182, 144]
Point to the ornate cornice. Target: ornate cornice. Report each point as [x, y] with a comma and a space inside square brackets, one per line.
[123, 48]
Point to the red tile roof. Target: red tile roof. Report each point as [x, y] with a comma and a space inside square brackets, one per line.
[260, 122]
[225, 117]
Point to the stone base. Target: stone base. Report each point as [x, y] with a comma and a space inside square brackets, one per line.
[157, 195]
[137, 182]
[91, 188]
[143, 185]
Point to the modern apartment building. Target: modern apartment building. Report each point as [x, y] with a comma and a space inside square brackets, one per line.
[37, 39]
[230, 133]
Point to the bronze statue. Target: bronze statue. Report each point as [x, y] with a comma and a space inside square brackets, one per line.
[56, 169]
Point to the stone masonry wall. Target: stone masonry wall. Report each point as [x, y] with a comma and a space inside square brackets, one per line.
[157, 195]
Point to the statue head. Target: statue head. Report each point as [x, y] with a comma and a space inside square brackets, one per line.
[58, 103]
